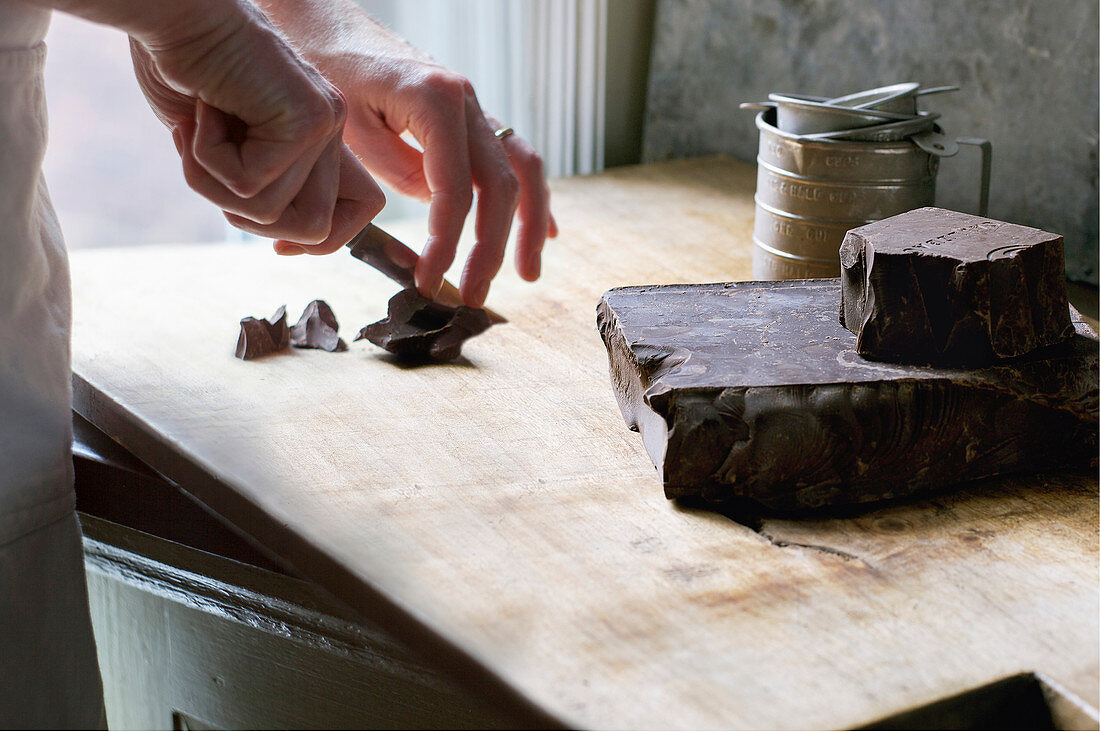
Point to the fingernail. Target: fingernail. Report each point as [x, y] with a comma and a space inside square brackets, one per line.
[429, 291]
[289, 250]
[481, 292]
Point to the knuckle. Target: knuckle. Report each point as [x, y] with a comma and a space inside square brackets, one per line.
[447, 85]
[375, 202]
[314, 227]
[238, 182]
[240, 222]
[534, 162]
[409, 182]
[265, 216]
[506, 186]
[192, 178]
[339, 108]
[461, 198]
[317, 118]
[320, 116]
[248, 184]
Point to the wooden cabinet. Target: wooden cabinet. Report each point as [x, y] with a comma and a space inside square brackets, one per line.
[189, 638]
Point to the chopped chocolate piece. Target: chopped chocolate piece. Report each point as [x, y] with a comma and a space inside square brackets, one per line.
[280, 333]
[317, 328]
[260, 337]
[941, 287]
[754, 391]
[418, 329]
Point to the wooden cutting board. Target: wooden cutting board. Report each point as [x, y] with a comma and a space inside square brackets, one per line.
[497, 516]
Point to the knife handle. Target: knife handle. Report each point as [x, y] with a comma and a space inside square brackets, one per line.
[395, 260]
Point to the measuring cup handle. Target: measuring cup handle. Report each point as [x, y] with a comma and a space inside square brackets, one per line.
[987, 164]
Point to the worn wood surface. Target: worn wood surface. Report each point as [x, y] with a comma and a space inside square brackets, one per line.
[756, 391]
[496, 514]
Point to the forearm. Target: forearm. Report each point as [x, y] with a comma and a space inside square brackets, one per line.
[328, 32]
[154, 22]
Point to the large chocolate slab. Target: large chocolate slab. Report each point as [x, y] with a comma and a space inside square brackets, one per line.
[942, 287]
[754, 390]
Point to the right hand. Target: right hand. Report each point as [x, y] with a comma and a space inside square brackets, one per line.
[258, 130]
[395, 91]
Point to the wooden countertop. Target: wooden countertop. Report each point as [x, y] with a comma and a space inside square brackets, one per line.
[497, 515]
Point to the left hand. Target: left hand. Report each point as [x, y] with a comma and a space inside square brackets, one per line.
[461, 153]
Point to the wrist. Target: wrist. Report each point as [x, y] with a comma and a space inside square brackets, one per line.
[336, 35]
[155, 22]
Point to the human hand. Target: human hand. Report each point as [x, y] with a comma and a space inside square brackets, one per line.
[392, 88]
[257, 129]
[460, 153]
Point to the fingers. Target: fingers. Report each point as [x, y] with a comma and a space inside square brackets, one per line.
[265, 172]
[460, 155]
[259, 132]
[167, 104]
[248, 150]
[327, 212]
[536, 223]
[296, 206]
[394, 161]
[359, 201]
[441, 125]
[498, 195]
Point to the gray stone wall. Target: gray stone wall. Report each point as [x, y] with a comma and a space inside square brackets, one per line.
[1027, 71]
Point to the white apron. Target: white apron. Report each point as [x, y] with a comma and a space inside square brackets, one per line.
[48, 672]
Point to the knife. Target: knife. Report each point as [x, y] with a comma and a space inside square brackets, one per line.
[392, 258]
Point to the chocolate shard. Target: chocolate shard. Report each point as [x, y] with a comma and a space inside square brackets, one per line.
[418, 329]
[754, 391]
[277, 327]
[254, 340]
[940, 287]
[317, 328]
[260, 337]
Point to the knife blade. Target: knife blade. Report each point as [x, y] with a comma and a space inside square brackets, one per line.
[391, 257]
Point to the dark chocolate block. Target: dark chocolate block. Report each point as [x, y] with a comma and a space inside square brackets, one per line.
[260, 337]
[941, 287]
[418, 329]
[754, 390]
[317, 328]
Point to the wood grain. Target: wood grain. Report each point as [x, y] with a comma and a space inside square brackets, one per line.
[497, 515]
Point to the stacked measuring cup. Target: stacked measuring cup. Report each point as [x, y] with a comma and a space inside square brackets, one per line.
[827, 165]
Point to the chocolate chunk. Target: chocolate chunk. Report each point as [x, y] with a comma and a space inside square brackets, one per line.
[941, 287]
[754, 391]
[280, 333]
[260, 337]
[317, 328]
[418, 329]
